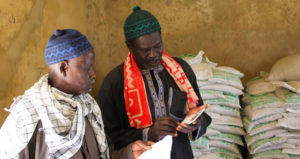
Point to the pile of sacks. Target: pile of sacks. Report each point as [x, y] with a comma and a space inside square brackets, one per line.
[272, 112]
[220, 88]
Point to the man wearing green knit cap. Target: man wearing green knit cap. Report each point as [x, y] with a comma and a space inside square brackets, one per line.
[148, 95]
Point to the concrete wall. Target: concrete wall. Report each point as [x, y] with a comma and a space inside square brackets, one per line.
[249, 35]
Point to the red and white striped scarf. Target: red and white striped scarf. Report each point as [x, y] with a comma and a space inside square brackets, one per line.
[136, 101]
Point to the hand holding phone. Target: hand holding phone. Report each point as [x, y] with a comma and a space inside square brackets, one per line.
[194, 114]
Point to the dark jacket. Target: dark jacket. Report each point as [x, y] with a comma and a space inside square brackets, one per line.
[112, 104]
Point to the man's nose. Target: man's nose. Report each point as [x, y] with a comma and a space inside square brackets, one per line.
[152, 53]
[93, 74]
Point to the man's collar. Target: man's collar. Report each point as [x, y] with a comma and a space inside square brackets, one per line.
[57, 91]
[159, 68]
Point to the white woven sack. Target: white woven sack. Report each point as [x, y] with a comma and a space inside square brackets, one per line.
[224, 88]
[286, 69]
[231, 70]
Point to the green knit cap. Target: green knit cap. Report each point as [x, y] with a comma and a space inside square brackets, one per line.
[139, 23]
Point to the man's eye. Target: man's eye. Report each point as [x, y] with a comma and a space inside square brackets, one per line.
[146, 50]
[158, 46]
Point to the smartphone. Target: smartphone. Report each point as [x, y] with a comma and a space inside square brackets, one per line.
[194, 114]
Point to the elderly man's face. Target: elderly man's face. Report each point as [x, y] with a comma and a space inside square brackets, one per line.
[147, 50]
[82, 76]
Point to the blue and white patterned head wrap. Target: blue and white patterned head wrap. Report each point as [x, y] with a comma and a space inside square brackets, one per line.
[66, 44]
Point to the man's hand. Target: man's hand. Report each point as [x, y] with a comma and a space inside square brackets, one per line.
[138, 147]
[185, 128]
[163, 126]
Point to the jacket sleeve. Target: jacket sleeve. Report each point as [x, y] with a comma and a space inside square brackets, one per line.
[112, 105]
[206, 119]
[124, 153]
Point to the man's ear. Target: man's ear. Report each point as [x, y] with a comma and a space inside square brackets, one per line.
[129, 46]
[64, 67]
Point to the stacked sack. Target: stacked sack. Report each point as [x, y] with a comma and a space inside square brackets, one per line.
[220, 88]
[272, 111]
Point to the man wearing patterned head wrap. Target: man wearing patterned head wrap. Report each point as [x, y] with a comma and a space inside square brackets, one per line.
[149, 94]
[57, 118]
